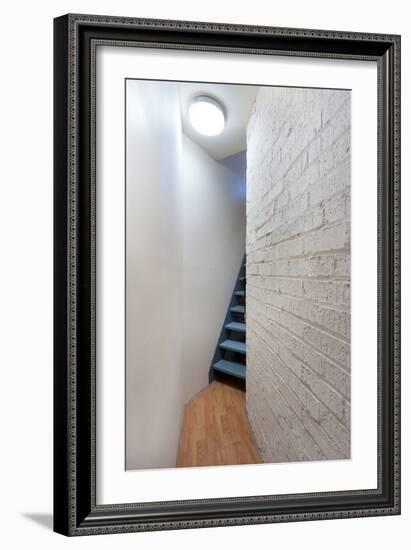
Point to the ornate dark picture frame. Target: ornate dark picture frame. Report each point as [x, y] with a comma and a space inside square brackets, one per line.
[75, 508]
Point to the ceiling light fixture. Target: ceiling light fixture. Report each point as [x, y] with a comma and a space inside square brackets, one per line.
[207, 115]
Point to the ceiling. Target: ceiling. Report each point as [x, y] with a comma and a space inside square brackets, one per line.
[237, 101]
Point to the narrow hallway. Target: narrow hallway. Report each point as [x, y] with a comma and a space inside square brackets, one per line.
[215, 429]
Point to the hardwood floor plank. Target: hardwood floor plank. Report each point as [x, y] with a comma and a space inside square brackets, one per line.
[215, 430]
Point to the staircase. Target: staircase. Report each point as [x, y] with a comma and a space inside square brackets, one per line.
[230, 354]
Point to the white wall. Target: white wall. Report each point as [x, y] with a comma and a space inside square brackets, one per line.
[26, 463]
[213, 233]
[185, 243]
[298, 274]
[154, 397]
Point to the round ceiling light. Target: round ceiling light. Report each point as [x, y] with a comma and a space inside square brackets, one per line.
[207, 116]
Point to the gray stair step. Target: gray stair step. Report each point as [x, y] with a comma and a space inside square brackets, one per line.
[239, 293]
[234, 345]
[230, 367]
[243, 279]
[237, 327]
[237, 309]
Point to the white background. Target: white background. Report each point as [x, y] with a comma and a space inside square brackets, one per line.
[26, 304]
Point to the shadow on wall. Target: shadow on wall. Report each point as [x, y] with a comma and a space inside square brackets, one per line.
[44, 520]
[237, 164]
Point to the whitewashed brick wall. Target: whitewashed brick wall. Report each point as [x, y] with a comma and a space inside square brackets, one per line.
[298, 274]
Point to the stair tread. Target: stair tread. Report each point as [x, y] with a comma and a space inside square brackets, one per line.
[239, 293]
[234, 345]
[238, 309]
[238, 327]
[243, 278]
[230, 367]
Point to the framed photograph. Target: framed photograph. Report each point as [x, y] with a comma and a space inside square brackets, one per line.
[227, 276]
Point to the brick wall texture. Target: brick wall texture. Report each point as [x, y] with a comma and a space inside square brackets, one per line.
[298, 274]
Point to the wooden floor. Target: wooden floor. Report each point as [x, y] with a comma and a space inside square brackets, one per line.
[215, 429]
